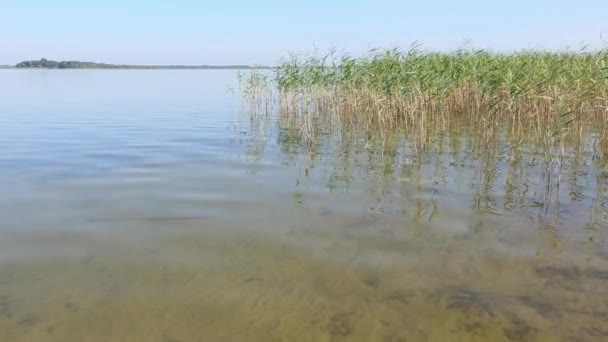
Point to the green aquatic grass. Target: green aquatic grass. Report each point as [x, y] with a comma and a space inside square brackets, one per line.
[412, 72]
[542, 93]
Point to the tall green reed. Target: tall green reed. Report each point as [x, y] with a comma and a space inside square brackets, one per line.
[548, 95]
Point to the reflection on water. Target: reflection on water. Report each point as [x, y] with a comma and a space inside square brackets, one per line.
[140, 206]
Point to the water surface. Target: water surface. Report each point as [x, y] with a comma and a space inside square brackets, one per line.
[145, 206]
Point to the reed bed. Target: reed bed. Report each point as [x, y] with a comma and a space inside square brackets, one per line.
[541, 95]
[528, 124]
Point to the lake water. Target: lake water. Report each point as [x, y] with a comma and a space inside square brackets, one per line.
[146, 206]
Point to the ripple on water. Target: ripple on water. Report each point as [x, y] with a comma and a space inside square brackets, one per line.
[148, 193]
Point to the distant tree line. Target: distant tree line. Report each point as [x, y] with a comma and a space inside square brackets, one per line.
[48, 64]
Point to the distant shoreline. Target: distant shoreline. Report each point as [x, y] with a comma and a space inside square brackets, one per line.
[69, 65]
[146, 68]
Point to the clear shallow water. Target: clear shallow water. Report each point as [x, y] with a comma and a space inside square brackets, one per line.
[143, 206]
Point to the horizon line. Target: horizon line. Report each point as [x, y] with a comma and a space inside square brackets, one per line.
[76, 64]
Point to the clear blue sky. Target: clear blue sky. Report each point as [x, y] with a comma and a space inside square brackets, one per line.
[244, 31]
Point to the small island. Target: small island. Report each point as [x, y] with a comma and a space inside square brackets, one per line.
[49, 64]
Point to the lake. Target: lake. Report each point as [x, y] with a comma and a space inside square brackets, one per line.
[148, 206]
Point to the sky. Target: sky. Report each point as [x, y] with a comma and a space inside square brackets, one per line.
[200, 32]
